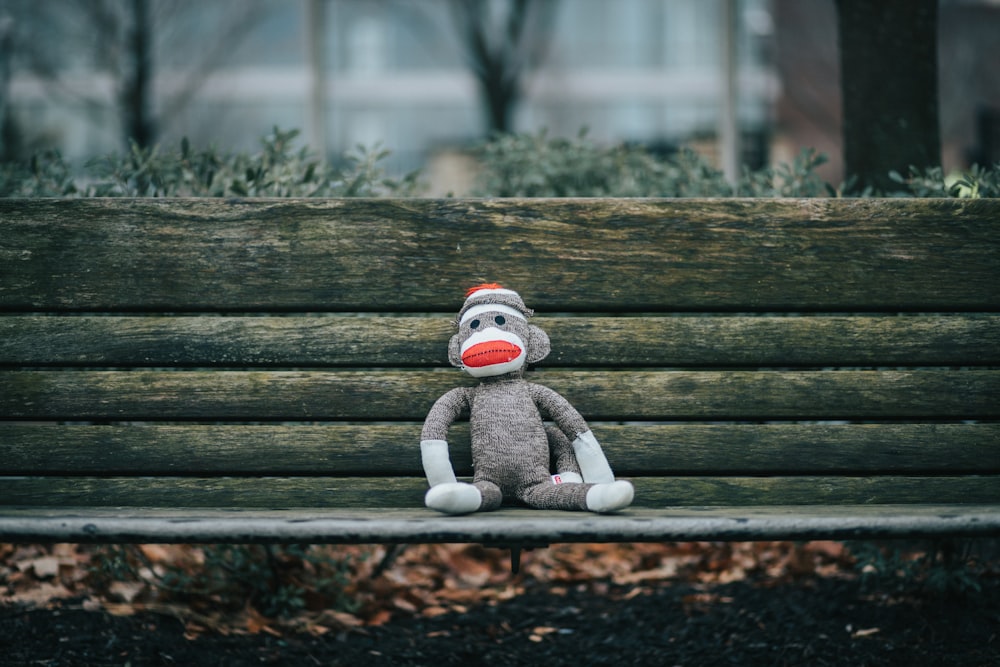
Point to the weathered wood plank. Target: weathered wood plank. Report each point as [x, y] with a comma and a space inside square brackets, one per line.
[392, 449]
[83, 281]
[417, 254]
[249, 492]
[408, 492]
[814, 490]
[397, 395]
[576, 341]
[507, 527]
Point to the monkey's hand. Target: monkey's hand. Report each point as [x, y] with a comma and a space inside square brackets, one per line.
[454, 498]
[593, 464]
[446, 494]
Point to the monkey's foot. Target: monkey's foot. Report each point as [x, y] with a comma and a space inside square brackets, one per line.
[453, 498]
[610, 497]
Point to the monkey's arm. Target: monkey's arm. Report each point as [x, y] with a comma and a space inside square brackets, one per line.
[563, 457]
[589, 455]
[434, 436]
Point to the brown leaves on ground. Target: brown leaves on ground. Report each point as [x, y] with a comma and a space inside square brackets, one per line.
[345, 588]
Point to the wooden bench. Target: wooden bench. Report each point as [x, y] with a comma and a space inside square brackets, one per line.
[258, 371]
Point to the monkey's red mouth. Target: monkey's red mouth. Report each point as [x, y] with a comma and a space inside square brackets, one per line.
[490, 353]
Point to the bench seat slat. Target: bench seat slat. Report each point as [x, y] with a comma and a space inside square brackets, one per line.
[568, 254]
[929, 340]
[392, 449]
[506, 527]
[607, 395]
[279, 492]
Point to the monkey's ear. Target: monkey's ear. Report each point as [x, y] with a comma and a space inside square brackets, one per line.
[538, 344]
[455, 351]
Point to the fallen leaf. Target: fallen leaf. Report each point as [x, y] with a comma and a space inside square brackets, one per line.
[827, 548]
[126, 591]
[90, 604]
[340, 619]
[156, 553]
[667, 571]
[45, 567]
[635, 592]
[404, 605]
[40, 595]
[431, 612]
[380, 617]
[119, 609]
[192, 631]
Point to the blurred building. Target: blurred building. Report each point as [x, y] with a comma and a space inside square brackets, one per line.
[352, 72]
[398, 73]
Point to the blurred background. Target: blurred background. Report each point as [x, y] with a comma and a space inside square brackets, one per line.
[742, 82]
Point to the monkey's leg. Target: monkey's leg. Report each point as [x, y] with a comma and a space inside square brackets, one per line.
[548, 495]
[492, 496]
[562, 454]
[600, 498]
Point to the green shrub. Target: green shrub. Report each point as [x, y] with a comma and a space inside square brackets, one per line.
[536, 165]
[933, 182]
[279, 169]
[513, 165]
[45, 175]
[798, 179]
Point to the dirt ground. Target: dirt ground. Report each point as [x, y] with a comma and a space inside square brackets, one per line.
[623, 617]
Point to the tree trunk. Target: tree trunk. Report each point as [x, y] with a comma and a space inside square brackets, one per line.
[501, 92]
[501, 48]
[6, 51]
[888, 60]
[137, 88]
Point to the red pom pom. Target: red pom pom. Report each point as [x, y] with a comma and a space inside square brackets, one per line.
[473, 290]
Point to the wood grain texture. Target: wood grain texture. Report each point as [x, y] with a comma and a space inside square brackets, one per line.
[503, 528]
[317, 341]
[408, 492]
[634, 450]
[408, 395]
[566, 254]
[242, 356]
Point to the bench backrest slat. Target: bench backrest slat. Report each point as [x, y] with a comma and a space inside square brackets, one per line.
[603, 395]
[387, 449]
[576, 255]
[276, 492]
[351, 341]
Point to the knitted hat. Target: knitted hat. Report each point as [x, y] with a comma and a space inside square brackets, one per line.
[492, 297]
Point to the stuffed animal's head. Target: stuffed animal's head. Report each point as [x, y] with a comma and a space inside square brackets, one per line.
[494, 337]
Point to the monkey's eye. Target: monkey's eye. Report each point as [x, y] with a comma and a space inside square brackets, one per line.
[500, 319]
[474, 324]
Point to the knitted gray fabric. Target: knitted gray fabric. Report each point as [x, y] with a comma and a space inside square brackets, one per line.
[514, 452]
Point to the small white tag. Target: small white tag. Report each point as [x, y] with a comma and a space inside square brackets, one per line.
[557, 479]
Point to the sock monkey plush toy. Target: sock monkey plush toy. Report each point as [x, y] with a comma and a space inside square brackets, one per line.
[513, 450]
